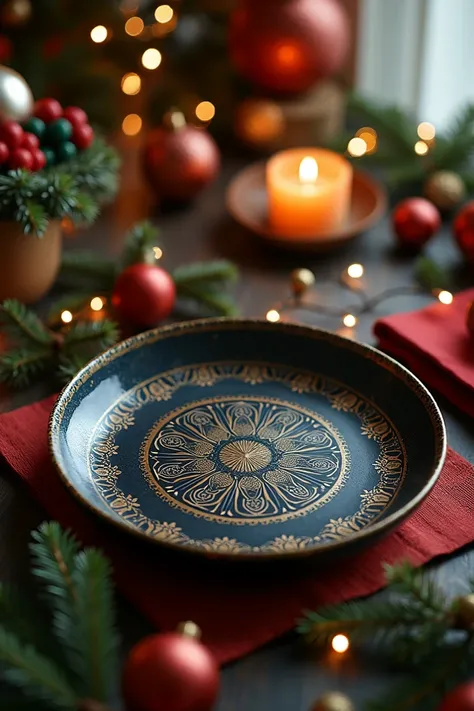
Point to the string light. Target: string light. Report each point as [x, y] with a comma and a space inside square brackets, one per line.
[134, 26]
[445, 297]
[340, 643]
[273, 316]
[426, 131]
[205, 111]
[158, 252]
[151, 58]
[132, 124]
[421, 148]
[164, 13]
[97, 304]
[357, 147]
[99, 34]
[66, 316]
[369, 135]
[131, 84]
[355, 271]
[349, 321]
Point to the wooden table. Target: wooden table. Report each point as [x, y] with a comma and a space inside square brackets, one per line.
[279, 677]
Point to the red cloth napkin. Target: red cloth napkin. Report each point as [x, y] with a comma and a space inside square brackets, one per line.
[434, 342]
[237, 610]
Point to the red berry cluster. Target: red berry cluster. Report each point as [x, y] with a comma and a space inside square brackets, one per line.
[52, 135]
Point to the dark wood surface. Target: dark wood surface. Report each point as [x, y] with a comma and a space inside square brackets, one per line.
[281, 676]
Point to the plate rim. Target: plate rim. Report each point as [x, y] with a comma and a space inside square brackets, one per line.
[162, 332]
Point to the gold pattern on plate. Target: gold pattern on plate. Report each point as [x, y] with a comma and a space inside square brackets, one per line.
[390, 463]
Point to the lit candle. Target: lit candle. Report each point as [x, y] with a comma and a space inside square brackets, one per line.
[309, 192]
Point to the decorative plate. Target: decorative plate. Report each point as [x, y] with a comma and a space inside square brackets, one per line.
[248, 439]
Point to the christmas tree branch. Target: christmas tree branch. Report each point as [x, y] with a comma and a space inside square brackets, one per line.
[19, 366]
[139, 244]
[22, 325]
[87, 269]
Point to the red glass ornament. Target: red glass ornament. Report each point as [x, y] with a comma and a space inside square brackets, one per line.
[82, 136]
[11, 133]
[170, 672]
[75, 115]
[459, 699]
[464, 231]
[415, 221]
[6, 48]
[179, 163]
[20, 158]
[39, 159]
[48, 110]
[144, 295]
[287, 47]
[4, 152]
[30, 142]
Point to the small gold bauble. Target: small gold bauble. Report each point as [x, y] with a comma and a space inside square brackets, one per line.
[465, 612]
[445, 189]
[333, 701]
[189, 629]
[16, 12]
[470, 318]
[259, 122]
[301, 281]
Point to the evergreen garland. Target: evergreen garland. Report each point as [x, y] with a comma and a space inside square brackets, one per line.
[75, 189]
[414, 627]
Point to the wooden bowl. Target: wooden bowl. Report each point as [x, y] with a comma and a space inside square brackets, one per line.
[247, 203]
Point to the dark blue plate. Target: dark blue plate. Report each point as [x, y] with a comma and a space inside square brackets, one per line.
[248, 439]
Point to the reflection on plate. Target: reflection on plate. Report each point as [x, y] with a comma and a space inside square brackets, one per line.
[198, 437]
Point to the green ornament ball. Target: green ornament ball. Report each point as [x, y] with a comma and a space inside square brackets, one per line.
[58, 131]
[50, 156]
[36, 126]
[65, 151]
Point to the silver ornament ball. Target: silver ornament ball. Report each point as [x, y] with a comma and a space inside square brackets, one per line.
[16, 99]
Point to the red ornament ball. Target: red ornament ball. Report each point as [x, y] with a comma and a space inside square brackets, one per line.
[82, 136]
[144, 295]
[6, 48]
[39, 159]
[48, 110]
[20, 158]
[170, 672]
[11, 133]
[415, 221]
[75, 115]
[30, 142]
[459, 699]
[464, 231]
[4, 153]
[178, 164]
[286, 47]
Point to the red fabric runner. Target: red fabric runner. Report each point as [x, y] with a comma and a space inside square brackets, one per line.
[236, 610]
[434, 342]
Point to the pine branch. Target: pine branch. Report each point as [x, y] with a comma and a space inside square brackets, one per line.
[32, 218]
[454, 150]
[20, 366]
[70, 302]
[390, 122]
[97, 656]
[414, 583]
[87, 269]
[215, 303]
[204, 273]
[432, 275]
[22, 324]
[86, 209]
[139, 245]
[105, 333]
[70, 365]
[25, 668]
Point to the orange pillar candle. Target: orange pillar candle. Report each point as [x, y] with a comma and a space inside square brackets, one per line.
[309, 192]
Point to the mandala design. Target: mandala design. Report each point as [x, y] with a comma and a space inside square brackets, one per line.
[252, 460]
[267, 452]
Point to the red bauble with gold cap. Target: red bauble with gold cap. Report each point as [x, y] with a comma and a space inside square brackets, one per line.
[286, 46]
[173, 671]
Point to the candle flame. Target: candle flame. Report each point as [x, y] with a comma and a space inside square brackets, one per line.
[308, 170]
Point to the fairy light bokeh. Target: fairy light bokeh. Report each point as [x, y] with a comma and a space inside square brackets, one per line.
[66, 316]
[99, 34]
[273, 316]
[340, 643]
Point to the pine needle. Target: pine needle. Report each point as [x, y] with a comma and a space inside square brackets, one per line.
[19, 367]
[87, 270]
[105, 333]
[139, 245]
[97, 652]
[38, 677]
[22, 324]
[203, 273]
[432, 275]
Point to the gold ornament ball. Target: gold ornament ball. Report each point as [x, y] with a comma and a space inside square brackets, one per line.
[16, 12]
[465, 604]
[259, 122]
[470, 318]
[16, 99]
[301, 281]
[333, 701]
[445, 189]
